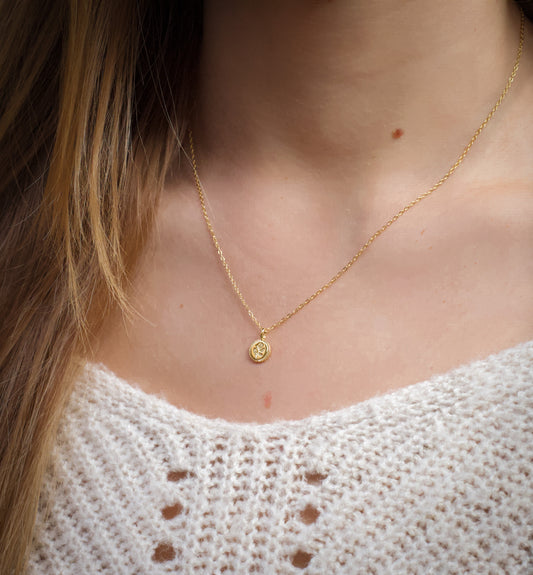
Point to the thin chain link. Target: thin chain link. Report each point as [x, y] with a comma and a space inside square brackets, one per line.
[266, 330]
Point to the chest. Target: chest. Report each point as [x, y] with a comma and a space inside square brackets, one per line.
[418, 302]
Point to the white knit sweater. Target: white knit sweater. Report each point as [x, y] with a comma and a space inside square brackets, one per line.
[433, 478]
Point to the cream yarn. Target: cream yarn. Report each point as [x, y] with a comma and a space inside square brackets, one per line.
[433, 478]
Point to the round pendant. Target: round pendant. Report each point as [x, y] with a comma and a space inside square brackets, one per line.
[259, 350]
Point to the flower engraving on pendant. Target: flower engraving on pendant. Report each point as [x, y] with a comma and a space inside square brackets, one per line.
[259, 350]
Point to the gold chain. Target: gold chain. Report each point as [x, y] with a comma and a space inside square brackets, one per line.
[260, 349]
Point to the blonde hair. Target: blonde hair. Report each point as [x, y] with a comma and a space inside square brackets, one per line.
[93, 96]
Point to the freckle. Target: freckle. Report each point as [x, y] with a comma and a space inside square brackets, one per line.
[398, 133]
[181, 305]
[422, 232]
[267, 399]
[443, 301]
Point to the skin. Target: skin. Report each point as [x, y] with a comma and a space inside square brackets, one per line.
[317, 121]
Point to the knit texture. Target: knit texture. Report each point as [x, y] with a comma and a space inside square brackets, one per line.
[433, 478]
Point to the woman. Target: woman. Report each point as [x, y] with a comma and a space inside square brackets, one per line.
[406, 380]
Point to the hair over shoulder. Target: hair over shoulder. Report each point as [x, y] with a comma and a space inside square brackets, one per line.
[95, 98]
[95, 101]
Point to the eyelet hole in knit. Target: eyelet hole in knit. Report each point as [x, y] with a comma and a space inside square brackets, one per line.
[163, 552]
[172, 511]
[177, 475]
[315, 478]
[309, 514]
[301, 559]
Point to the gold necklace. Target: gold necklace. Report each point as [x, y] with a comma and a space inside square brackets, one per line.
[260, 349]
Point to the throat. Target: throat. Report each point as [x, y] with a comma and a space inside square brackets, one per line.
[332, 84]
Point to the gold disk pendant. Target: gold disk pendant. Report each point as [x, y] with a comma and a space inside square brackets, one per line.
[259, 351]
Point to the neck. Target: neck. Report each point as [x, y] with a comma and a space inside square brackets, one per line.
[358, 87]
